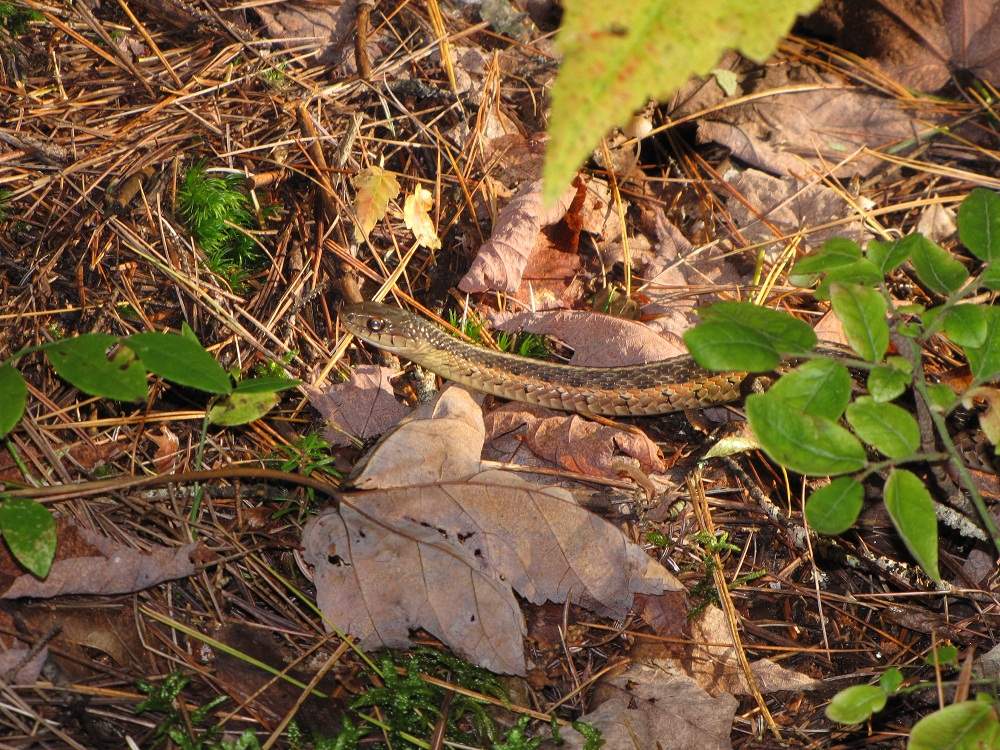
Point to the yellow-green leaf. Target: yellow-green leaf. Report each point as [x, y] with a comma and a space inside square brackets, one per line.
[616, 55]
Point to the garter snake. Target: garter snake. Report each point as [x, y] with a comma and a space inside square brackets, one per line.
[668, 385]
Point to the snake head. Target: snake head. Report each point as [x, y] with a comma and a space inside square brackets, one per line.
[389, 328]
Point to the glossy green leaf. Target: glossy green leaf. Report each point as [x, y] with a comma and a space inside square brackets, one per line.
[862, 272]
[856, 704]
[888, 381]
[721, 345]
[890, 680]
[990, 277]
[83, 362]
[241, 408]
[886, 427]
[188, 333]
[912, 512]
[13, 397]
[266, 384]
[979, 223]
[30, 533]
[180, 360]
[810, 445]
[835, 252]
[984, 360]
[862, 312]
[833, 509]
[821, 387]
[966, 325]
[941, 397]
[935, 266]
[969, 725]
[887, 255]
[617, 56]
[786, 334]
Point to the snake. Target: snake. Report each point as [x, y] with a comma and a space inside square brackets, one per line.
[660, 387]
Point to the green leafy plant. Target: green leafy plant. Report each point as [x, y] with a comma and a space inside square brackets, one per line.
[15, 17]
[808, 421]
[117, 367]
[218, 214]
[618, 55]
[523, 344]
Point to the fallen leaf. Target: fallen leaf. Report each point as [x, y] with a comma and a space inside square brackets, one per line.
[645, 706]
[597, 340]
[417, 218]
[167, 449]
[937, 222]
[364, 406]
[572, 442]
[90, 455]
[448, 557]
[331, 27]
[500, 263]
[439, 441]
[796, 133]
[88, 563]
[376, 187]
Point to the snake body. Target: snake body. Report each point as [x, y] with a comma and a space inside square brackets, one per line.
[661, 387]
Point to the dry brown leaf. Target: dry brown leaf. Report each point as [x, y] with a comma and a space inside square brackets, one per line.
[799, 132]
[331, 26]
[500, 263]
[597, 340]
[167, 449]
[648, 707]
[438, 442]
[364, 406]
[937, 222]
[88, 563]
[418, 220]
[790, 206]
[448, 557]
[571, 442]
[376, 188]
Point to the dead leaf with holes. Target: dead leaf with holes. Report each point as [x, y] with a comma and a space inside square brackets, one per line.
[448, 555]
[645, 706]
[376, 188]
[364, 406]
[418, 220]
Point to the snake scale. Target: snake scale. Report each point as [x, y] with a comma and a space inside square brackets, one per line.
[662, 387]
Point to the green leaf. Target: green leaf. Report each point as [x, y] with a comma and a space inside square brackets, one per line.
[810, 445]
[912, 512]
[969, 725]
[888, 255]
[890, 680]
[30, 533]
[13, 397]
[984, 360]
[856, 704]
[945, 655]
[176, 358]
[84, 363]
[833, 509]
[241, 408]
[979, 223]
[941, 397]
[616, 56]
[862, 272]
[935, 267]
[720, 345]
[835, 252]
[886, 382]
[990, 277]
[821, 387]
[787, 334]
[188, 333]
[862, 312]
[886, 427]
[966, 325]
[268, 384]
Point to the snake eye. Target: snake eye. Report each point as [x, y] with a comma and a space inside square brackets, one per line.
[375, 324]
